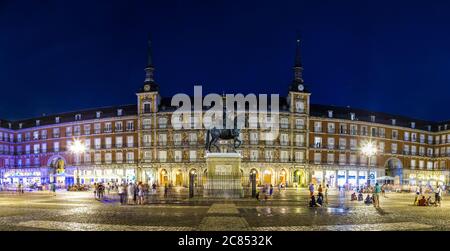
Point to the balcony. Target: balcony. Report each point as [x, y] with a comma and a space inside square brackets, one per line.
[317, 129]
[298, 143]
[331, 130]
[119, 145]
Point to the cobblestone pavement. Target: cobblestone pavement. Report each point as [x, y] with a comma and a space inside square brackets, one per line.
[286, 211]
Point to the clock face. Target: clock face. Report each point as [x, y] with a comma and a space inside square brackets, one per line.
[300, 87]
[146, 87]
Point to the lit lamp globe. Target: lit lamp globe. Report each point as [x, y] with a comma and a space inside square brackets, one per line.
[77, 147]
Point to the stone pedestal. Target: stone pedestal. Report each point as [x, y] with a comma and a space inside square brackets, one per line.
[223, 178]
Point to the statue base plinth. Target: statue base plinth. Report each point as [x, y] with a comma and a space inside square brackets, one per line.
[223, 179]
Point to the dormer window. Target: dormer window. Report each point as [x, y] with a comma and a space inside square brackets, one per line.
[9, 125]
[352, 116]
[78, 117]
[413, 125]
[445, 127]
[393, 122]
[439, 128]
[429, 127]
[57, 119]
[38, 122]
[119, 112]
[372, 118]
[20, 125]
[98, 114]
[330, 114]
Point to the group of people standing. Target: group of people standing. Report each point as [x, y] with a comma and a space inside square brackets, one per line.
[265, 192]
[133, 193]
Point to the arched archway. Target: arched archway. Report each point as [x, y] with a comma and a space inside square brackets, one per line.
[394, 168]
[282, 177]
[58, 177]
[267, 177]
[300, 178]
[193, 176]
[163, 177]
[179, 178]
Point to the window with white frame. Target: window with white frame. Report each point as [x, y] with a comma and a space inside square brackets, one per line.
[413, 163]
[162, 139]
[118, 127]
[254, 155]
[146, 123]
[108, 142]
[108, 158]
[317, 158]
[36, 148]
[300, 123]
[130, 141]
[253, 138]
[193, 138]
[342, 143]
[284, 139]
[352, 159]
[394, 148]
[269, 155]
[97, 128]
[97, 143]
[330, 158]
[299, 140]
[177, 139]
[299, 106]
[342, 158]
[56, 146]
[330, 143]
[98, 158]
[87, 129]
[87, 158]
[119, 141]
[147, 140]
[130, 157]
[162, 156]
[317, 142]
[130, 125]
[299, 156]
[178, 155]
[147, 155]
[119, 157]
[193, 155]
[284, 156]
[108, 127]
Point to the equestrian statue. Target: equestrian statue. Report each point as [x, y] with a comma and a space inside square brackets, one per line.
[214, 135]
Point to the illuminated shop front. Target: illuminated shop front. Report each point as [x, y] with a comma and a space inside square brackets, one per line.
[427, 178]
[119, 175]
[24, 176]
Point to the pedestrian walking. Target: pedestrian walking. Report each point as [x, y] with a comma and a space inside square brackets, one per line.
[437, 196]
[326, 193]
[130, 193]
[311, 189]
[141, 194]
[376, 196]
[121, 191]
[271, 190]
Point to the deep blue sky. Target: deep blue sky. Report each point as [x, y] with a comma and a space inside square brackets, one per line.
[391, 56]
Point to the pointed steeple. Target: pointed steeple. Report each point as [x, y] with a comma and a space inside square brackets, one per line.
[149, 69]
[298, 67]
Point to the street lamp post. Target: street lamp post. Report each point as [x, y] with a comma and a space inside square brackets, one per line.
[253, 181]
[77, 148]
[369, 149]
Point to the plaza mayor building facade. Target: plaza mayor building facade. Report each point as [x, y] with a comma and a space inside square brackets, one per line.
[316, 143]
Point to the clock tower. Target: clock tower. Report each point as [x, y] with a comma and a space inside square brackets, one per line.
[147, 108]
[298, 101]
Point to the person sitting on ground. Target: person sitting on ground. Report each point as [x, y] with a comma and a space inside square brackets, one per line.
[312, 202]
[368, 200]
[353, 197]
[422, 202]
[360, 196]
[429, 202]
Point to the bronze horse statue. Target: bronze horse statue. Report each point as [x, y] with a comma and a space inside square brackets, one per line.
[213, 135]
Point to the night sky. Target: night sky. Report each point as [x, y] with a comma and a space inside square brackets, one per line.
[57, 56]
